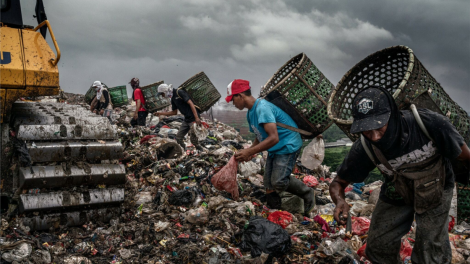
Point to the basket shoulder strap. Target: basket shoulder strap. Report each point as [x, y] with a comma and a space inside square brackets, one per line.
[298, 130]
[366, 148]
[177, 90]
[419, 121]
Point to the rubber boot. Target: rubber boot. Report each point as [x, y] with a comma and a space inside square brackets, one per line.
[298, 188]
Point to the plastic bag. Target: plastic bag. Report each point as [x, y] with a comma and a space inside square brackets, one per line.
[198, 216]
[226, 178]
[216, 201]
[20, 252]
[405, 249]
[322, 222]
[143, 197]
[360, 225]
[330, 247]
[201, 132]
[355, 243]
[249, 168]
[262, 235]
[181, 197]
[362, 251]
[310, 181]
[281, 218]
[146, 138]
[313, 154]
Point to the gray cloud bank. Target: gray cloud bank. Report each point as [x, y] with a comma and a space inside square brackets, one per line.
[113, 41]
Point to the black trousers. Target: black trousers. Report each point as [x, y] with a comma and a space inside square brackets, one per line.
[141, 118]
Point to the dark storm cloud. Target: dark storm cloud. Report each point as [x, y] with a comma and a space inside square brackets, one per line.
[113, 41]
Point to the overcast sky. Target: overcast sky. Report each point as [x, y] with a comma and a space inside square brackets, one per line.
[113, 41]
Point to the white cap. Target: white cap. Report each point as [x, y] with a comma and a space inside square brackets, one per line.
[97, 84]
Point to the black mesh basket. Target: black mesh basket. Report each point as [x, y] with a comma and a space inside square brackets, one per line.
[399, 71]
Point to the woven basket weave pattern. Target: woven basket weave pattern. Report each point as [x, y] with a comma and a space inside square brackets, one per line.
[202, 91]
[399, 71]
[154, 101]
[304, 87]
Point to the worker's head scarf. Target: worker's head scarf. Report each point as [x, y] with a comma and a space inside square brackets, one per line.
[166, 89]
[97, 86]
[394, 136]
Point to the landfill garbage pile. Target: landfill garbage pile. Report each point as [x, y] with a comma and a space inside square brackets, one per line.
[190, 206]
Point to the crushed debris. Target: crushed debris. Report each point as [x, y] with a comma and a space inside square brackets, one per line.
[174, 214]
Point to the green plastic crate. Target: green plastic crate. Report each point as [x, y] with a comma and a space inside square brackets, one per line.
[118, 95]
[201, 90]
[153, 100]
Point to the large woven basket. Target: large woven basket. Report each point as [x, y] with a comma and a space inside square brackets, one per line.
[154, 101]
[399, 71]
[118, 95]
[301, 90]
[201, 90]
[91, 93]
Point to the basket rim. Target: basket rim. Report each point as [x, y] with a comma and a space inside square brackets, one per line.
[296, 67]
[119, 86]
[188, 81]
[152, 84]
[395, 95]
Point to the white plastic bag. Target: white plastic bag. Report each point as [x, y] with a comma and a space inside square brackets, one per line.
[313, 154]
[200, 131]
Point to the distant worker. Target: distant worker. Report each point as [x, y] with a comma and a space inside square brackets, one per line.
[140, 114]
[181, 101]
[418, 176]
[283, 145]
[102, 100]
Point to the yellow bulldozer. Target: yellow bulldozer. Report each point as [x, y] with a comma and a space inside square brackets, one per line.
[59, 162]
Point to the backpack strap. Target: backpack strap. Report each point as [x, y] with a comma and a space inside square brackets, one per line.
[177, 90]
[298, 130]
[291, 128]
[366, 148]
[419, 121]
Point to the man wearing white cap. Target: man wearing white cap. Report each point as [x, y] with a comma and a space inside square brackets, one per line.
[102, 99]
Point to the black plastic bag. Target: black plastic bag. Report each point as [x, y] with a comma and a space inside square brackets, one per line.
[235, 144]
[262, 235]
[181, 197]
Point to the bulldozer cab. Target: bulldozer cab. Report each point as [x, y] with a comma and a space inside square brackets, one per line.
[28, 65]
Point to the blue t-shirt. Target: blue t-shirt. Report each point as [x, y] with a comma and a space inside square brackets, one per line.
[265, 112]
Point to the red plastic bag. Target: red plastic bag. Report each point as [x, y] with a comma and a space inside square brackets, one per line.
[226, 178]
[322, 222]
[360, 225]
[310, 181]
[451, 223]
[405, 250]
[146, 138]
[281, 218]
[362, 251]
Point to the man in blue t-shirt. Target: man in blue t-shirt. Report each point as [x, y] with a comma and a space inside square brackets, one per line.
[283, 145]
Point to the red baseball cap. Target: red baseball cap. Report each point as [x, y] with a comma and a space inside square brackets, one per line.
[236, 87]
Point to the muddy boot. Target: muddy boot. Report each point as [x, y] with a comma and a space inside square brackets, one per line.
[303, 191]
[273, 200]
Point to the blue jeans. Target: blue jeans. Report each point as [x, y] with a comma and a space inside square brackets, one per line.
[278, 169]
